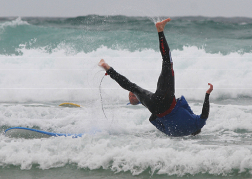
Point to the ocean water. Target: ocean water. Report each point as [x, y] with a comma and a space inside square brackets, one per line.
[47, 61]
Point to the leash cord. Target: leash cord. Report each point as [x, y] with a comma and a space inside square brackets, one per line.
[101, 97]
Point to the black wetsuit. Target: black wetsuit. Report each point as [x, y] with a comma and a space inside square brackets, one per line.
[160, 101]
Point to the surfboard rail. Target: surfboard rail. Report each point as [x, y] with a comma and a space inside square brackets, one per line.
[23, 132]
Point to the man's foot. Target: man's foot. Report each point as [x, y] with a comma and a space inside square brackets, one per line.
[104, 65]
[160, 25]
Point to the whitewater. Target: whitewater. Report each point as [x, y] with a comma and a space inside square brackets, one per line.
[47, 61]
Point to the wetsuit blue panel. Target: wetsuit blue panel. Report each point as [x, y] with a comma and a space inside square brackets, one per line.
[181, 121]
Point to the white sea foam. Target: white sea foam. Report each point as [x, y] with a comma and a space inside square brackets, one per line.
[39, 76]
[127, 141]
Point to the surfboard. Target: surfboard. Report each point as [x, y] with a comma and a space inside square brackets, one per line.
[69, 105]
[23, 132]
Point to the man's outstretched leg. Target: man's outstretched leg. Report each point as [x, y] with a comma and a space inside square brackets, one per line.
[120, 79]
[144, 96]
[163, 45]
[164, 94]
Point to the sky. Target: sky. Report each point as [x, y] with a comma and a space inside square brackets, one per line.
[168, 8]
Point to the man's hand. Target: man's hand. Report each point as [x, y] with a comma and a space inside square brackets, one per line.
[210, 89]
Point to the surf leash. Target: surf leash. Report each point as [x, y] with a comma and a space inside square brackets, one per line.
[101, 96]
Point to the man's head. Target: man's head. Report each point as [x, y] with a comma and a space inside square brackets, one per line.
[133, 99]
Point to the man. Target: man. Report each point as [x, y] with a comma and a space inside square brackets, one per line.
[172, 116]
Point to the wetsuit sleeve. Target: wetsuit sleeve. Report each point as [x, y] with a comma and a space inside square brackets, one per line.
[206, 107]
[204, 114]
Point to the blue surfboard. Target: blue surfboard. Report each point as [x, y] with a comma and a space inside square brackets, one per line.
[23, 132]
